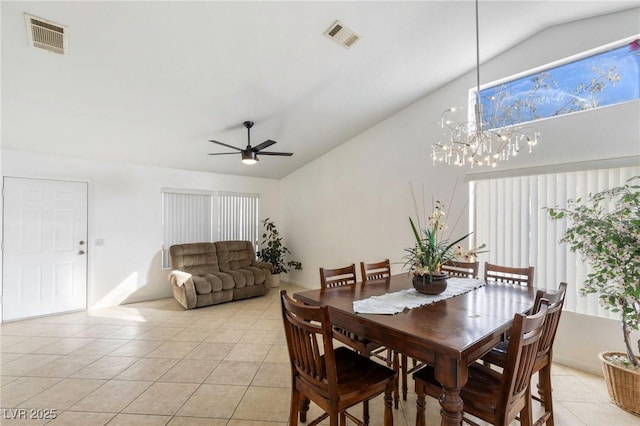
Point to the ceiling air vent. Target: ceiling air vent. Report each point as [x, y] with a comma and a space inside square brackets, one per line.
[46, 34]
[342, 35]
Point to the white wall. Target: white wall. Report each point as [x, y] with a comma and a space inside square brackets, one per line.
[125, 211]
[352, 204]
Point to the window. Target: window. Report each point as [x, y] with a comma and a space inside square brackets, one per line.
[238, 217]
[510, 218]
[190, 216]
[606, 78]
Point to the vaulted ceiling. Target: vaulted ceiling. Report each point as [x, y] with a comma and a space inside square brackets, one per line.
[151, 82]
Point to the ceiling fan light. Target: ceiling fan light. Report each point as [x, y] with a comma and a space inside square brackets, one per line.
[249, 157]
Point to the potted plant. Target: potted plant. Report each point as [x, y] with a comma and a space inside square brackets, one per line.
[274, 252]
[431, 250]
[609, 239]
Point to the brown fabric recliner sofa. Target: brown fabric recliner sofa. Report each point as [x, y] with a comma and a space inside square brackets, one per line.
[206, 274]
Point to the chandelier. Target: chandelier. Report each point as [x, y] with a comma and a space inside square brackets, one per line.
[481, 140]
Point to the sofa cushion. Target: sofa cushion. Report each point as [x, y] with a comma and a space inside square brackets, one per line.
[206, 283]
[195, 258]
[234, 255]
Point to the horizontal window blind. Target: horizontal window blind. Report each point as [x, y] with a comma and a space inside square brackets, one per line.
[238, 217]
[508, 215]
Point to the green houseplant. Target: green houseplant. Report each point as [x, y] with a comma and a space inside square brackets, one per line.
[273, 250]
[605, 232]
[432, 248]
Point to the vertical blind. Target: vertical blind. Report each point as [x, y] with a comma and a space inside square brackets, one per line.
[198, 216]
[186, 218]
[238, 217]
[509, 215]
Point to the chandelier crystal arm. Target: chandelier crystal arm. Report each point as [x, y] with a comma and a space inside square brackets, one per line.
[484, 141]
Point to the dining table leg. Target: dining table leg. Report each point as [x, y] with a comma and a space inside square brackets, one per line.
[452, 374]
[452, 407]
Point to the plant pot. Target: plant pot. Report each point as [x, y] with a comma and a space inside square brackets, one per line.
[623, 384]
[430, 284]
[275, 280]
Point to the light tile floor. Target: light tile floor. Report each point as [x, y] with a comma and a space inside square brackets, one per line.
[154, 363]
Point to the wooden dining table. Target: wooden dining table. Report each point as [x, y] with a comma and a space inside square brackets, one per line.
[448, 334]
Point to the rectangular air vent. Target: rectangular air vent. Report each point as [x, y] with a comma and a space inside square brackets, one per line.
[46, 34]
[342, 35]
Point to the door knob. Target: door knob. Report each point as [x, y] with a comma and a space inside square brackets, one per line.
[81, 252]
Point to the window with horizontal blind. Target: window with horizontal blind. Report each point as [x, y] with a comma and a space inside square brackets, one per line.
[191, 216]
[509, 215]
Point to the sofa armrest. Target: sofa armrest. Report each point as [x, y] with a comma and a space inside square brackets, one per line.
[179, 278]
[263, 265]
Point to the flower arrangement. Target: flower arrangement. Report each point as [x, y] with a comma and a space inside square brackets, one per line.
[432, 248]
[273, 251]
[609, 239]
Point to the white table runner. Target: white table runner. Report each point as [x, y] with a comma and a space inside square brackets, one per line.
[392, 303]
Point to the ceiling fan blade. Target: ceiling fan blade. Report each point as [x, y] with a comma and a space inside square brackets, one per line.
[288, 154]
[224, 153]
[263, 145]
[227, 145]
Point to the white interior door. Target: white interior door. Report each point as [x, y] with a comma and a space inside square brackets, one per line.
[45, 246]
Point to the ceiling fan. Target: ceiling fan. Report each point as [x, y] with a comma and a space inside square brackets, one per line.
[250, 154]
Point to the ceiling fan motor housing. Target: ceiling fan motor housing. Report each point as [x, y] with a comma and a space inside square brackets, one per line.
[250, 154]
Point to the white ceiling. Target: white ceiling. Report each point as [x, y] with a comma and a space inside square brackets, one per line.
[152, 82]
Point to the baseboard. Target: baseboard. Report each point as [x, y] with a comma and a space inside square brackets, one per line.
[582, 366]
[297, 283]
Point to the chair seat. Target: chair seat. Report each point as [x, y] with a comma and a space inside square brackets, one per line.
[356, 373]
[497, 355]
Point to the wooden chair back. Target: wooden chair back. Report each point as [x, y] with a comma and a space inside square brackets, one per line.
[375, 270]
[338, 277]
[333, 378]
[309, 336]
[496, 398]
[461, 269]
[555, 301]
[526, 333]
[509, 274]
[542, 365]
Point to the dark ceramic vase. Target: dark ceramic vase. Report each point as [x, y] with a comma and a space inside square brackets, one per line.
[430, 284]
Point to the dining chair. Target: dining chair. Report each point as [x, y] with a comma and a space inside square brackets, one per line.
[496, 398]
[380, 270]
[337, 277]
[454, 269]
[544, 357]
[375, 270]
[335, 379]
[461, 269]
[508, 274]
[346, 276]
